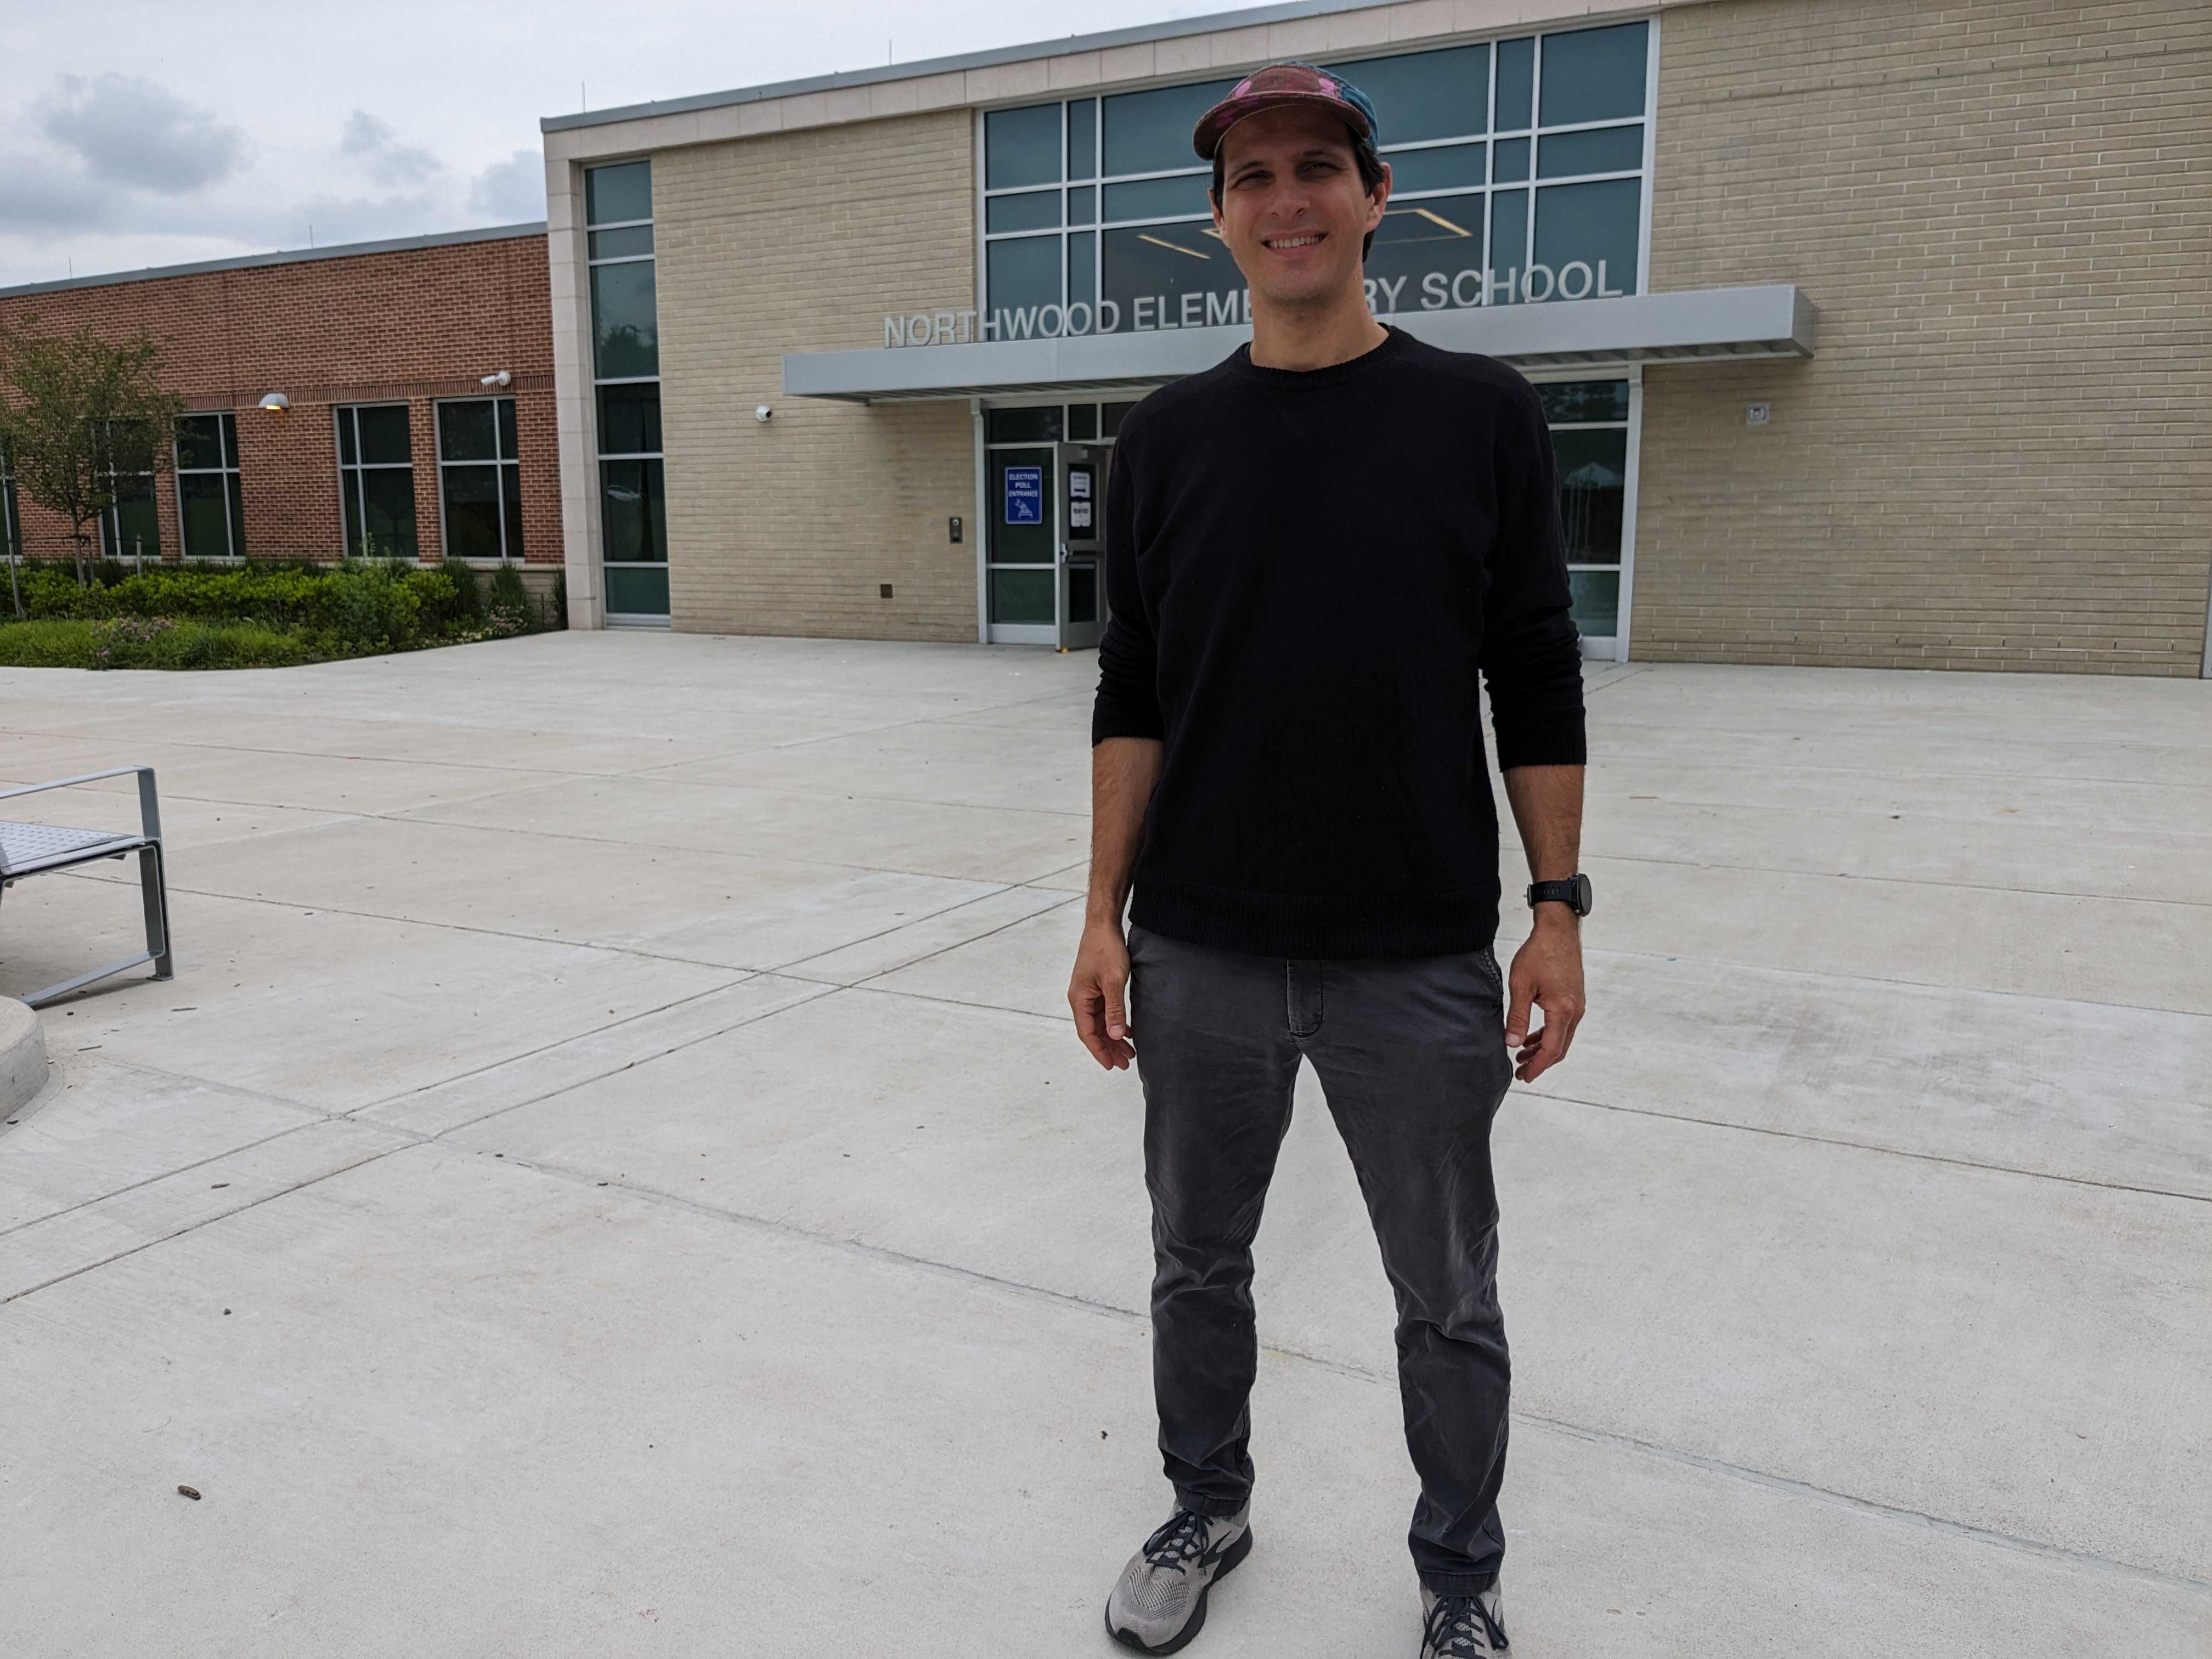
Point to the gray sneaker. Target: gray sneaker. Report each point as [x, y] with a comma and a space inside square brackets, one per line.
[1159, 1601]
[1462, 1626]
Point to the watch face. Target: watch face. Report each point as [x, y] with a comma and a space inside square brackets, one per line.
[1582, 900]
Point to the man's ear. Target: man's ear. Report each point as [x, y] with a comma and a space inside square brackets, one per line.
[1380, 199]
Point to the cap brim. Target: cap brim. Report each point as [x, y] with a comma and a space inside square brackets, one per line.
[1215, 124]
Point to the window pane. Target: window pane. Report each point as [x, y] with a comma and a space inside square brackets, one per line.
[1022, 273]
[1022, 426]
[133, 528]
[1512, 162]
[639, 592]
[620, 244]
[237, 515]
[1428, 255]
[1021, 596]
[1517, 71]
[1598, 149]
[1082, 421]
[1583, 400]
[349, 492]
[1083, 138]
[383, 433]
[511, 499]
[614, 194]
[1429, 95]
[1158, 198]
[347, 455]
[466, 432]
[1082, 205]
[1033, 211]
[625, 333]
[1454, 167]
[1083, 272]
[633, 511]
[1592, 227]
[1083, 592]
[507, 446]
[1508, 244]
[472, 511]
[1150, 131]
[1021, 146]
[199, 440]
[1109, 417]
[1592, 75]
[1171, 275]
[388, 502]
[1593, 466]
[1018, 507]
[1596, 602]
[630, 419]
[203, 502]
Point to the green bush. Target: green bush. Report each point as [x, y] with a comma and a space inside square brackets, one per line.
[468, 598]
[149, 643]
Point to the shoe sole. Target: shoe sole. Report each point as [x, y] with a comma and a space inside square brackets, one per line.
[1234, 1553]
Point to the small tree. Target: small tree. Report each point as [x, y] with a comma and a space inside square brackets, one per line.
[83, 422]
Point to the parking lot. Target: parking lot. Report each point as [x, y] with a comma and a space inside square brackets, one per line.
[613, 1175]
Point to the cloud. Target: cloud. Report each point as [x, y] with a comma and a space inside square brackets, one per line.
[36, 195]
[129, 131]
[374, 144]
[510, 191]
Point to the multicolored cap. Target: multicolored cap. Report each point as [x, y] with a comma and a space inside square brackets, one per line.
[1286, 83]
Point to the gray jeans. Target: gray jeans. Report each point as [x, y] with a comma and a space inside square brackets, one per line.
[1411, 1054]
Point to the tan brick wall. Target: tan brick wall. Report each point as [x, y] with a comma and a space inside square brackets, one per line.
[796, 242]
[408, 324]
[2000, 456]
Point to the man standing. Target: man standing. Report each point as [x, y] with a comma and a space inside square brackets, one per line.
[1312, 549]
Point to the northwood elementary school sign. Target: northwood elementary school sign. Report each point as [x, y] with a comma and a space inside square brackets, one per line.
[1198, 309]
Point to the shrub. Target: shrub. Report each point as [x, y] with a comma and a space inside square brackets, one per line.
[468, 598]
[148, 643]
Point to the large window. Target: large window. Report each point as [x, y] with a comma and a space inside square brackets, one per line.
[376, 479]
[626, 376]
[211, 510]
[1517, 177]
[131, 528]
[1589, 420]
[480, 479]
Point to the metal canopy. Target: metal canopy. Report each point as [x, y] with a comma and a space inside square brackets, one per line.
[1767, 320]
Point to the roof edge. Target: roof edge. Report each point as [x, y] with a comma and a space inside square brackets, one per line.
[1138, 34]
[283, 256]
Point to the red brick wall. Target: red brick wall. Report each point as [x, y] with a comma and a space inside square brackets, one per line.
[413, 324]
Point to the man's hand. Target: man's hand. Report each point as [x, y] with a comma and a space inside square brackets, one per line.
[1547, 970]
[1098, 993]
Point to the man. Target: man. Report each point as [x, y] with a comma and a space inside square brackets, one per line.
[1311, 549]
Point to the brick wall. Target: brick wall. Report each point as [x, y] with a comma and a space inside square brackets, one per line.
[803, 241]
[411, 325]
[1999, 457]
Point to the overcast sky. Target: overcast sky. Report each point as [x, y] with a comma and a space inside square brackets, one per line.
[140, 134]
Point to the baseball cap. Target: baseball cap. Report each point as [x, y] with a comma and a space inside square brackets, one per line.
[1286, 83]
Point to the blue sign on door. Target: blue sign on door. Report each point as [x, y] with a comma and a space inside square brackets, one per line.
[1025, 495]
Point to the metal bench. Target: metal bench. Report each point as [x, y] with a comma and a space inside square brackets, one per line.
[32, 849]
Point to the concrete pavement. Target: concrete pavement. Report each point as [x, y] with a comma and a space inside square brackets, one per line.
[612, 1176]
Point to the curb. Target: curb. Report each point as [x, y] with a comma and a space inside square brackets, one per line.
[23, 1055]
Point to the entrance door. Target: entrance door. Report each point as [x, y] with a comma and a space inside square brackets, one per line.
[1078, 596]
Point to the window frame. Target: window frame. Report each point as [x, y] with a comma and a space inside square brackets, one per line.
[226, 421]
[1532, 134]
[339, 411]
[438, 407]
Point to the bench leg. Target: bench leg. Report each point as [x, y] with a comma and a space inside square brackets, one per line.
[154, 891]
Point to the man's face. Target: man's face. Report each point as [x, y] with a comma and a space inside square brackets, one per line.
[1291, 210]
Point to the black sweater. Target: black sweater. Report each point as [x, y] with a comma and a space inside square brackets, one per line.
[1305, 570]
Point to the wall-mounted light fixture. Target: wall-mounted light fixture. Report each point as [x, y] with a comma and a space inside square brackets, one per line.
[500, 378]
[761, 411]
[276, 403]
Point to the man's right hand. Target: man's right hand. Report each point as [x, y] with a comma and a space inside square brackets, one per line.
[1098, 993]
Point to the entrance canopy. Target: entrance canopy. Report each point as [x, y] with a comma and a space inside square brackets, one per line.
[1766, 320]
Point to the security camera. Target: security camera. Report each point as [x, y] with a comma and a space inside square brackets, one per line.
[761, 411]
[500, 378]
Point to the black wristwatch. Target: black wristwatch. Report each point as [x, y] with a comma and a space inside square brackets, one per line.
[1574, 893]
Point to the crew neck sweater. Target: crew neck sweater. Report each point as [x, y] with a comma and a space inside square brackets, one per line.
[1308, 573]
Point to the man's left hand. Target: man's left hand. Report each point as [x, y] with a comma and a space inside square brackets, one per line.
[1547, 971]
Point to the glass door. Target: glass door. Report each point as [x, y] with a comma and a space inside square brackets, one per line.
[1023, 537]
[1079, 600]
